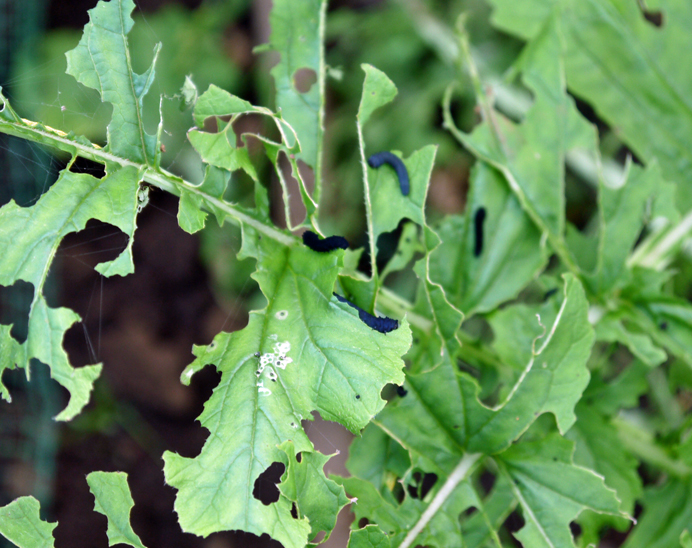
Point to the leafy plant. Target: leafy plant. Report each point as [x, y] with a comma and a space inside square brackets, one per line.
[530, 408]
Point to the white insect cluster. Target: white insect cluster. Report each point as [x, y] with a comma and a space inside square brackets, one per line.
[268, 363]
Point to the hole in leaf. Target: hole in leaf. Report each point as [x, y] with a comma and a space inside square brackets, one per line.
[266, 490]
[398, 492]
[422, 484]
[15, 301]
[363, 522]
[304, 79]
[294, 510]
[470, 511]
[98, 242]
[299, 457]
[318, 538]
[575, 528]
[514, 522]
[487, 480]
[83, 165]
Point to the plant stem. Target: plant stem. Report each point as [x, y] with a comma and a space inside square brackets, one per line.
[159, 178]
[460, 473]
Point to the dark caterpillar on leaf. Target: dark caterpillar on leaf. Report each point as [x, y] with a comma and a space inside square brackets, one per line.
[478, 221]
[383, 325]
[314, 242]
[376, 160]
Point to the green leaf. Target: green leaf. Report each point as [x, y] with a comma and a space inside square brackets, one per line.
[515, 328]
[406, 249]
[113, 500]
[626, 69]
[442, 346]
[191, 218]
[621, 214]
[377, 458]
[531, 155]
[511, 255]
[21, 524]
[595, 450]
[308, 361]
[552, 491]
[13, 353]
[28, 243]
[667, 320]
[102, 61]
[220, 149]
[686, 539]
[441, 418]
[442, 530]
[378, 90]
[316, 497]
[622, 392]
[297, 35]
[370, 536]
[667, 513]
[481, 527]
[611, 329]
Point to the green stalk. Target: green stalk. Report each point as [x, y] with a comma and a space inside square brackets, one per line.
[54, 138]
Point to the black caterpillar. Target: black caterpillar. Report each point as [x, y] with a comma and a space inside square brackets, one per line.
[376, 160]
[314, 242]
[478, 221]
[383, 325]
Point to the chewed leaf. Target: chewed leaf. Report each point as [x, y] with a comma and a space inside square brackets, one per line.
[102, 61]
[370, 536]
[28, 243]
[477, 278]
[113, 500]
[316, 497]
[21, 524]
[221, 150]
[378, 90]
[303, 353]
[297, 30]
[552, 491]
[441, 417]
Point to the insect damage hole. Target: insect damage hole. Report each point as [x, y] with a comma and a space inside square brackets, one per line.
[265, 489]
[304, 79]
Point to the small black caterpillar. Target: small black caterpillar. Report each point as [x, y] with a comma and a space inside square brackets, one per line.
[383, 325]
[478, 221]
[314, 242]
[376, 160]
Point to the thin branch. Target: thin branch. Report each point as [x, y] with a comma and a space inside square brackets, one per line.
[460, 473]
[160, 178]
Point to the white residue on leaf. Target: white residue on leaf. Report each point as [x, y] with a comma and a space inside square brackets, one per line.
[270, 360]
[274, 337]
[281, 315]
[282, 362]
[282, 348]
